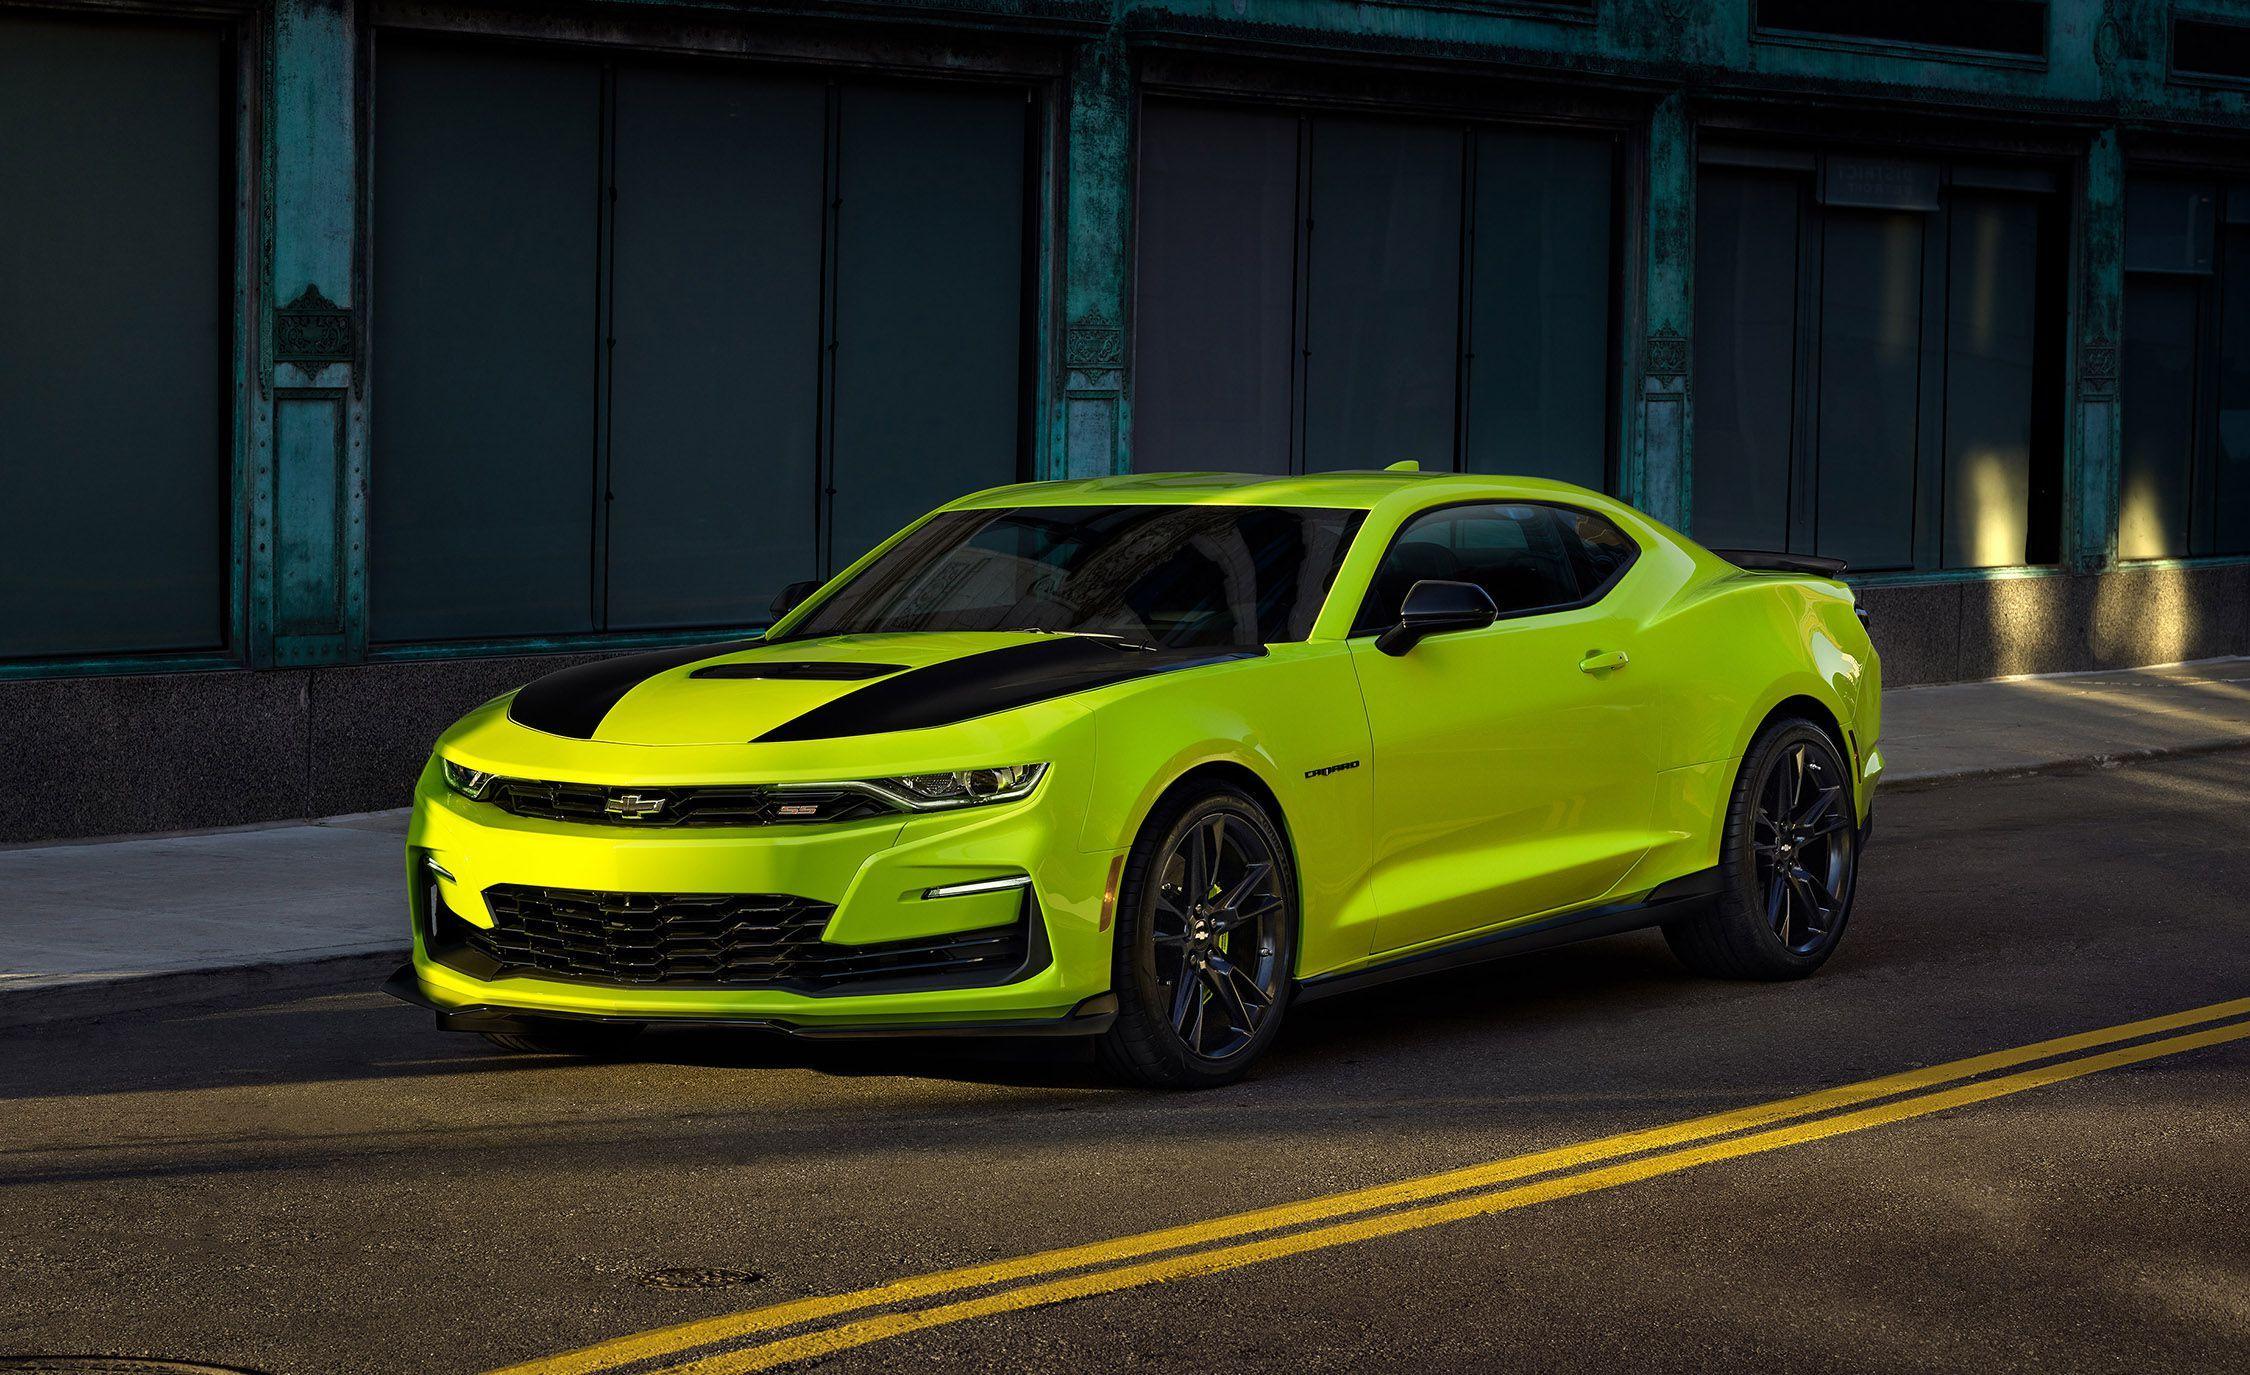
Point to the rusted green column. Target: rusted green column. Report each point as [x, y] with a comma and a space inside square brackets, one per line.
[1092, 435]
[2091, 466]
[308, 494]
[1659, 461]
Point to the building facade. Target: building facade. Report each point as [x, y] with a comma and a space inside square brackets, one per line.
[360, 359]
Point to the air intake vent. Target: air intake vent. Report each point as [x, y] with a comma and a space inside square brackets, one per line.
[2010, 28]
[725, 940]
[2205, 47]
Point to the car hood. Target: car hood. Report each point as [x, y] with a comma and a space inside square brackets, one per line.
[830, 688]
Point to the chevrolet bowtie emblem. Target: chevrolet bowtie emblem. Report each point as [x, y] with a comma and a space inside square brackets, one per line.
[633, 806]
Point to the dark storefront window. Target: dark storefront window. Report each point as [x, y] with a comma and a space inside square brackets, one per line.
[1320, 292]
[1877, 351]
[652, 340]
[2184, 483]
[116, 230]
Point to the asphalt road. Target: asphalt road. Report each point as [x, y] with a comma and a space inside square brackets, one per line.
[325, 1184]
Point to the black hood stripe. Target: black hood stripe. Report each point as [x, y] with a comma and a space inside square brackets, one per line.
[573, 701]
[995, 680]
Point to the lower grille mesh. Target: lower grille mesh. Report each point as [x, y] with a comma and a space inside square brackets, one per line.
[764, 940]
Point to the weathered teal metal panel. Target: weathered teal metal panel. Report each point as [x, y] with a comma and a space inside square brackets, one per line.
[308, 507]
[1094, 428]
[1660, 467]
[2092, 463]
[311, 554]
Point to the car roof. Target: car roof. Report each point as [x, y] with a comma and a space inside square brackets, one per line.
[1343, 490]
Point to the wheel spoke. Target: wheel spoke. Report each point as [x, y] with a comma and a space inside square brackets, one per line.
[1814, 888]
[1250, 911]
[1835, 822]
[1184, 991]
[1818, 809]
[1252, 876]
[1224, 993]
[1777, 904]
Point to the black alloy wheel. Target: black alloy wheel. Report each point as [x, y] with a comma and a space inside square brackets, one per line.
[1206, 931]
[1803, 856]
[1788, 865]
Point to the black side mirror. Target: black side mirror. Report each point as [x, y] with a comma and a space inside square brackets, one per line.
[789, 598]
[1432, 608]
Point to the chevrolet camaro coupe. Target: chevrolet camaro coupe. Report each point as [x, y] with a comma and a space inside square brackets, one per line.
[1148, 759]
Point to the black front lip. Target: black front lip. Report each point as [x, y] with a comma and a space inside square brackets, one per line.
[1091, 1017]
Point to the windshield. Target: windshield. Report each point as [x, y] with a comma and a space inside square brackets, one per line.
[1165, 576]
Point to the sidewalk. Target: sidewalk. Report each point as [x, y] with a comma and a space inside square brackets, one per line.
[1950, 731]
[144, 922]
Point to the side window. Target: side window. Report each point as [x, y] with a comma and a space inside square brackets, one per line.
[1599, 550]
[1528, 557]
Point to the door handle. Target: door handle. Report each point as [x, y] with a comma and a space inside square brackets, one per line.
[1602, 661]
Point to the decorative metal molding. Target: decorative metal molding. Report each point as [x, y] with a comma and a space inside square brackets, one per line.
[313, 331]
[1094, 356]
[2097, 368]
[1666, 358]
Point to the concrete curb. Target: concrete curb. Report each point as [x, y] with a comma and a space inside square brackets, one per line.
[1914, 783]
[95, 998]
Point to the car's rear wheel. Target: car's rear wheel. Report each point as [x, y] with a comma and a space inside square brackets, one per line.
[1206, 938]
[591, 1040]
[1789, 863]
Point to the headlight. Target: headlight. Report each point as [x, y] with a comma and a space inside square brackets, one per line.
[470, 783]
[929, 792]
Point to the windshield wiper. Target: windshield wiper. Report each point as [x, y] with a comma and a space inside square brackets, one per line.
[1120, 640]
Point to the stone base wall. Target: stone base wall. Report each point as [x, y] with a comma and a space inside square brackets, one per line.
[2059, 623]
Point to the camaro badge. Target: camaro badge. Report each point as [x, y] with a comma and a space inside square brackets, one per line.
[1332, 768]
[633, 806]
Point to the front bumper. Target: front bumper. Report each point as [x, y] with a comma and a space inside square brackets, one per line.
[875, 874]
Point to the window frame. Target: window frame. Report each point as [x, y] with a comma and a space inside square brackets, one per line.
[1626, 202]
[1359, 630]
[2205, 375]
[1040, 338]
[1805, 170]
[247, 425]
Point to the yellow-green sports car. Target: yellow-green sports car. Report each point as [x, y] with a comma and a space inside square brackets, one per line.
[1148, 759]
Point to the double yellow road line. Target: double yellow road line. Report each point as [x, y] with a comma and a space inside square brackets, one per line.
[739, 1342]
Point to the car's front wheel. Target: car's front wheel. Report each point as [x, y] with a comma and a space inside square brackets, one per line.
[1788, 864]
[1206, 932]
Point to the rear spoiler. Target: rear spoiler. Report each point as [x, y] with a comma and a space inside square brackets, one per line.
[1767, 561]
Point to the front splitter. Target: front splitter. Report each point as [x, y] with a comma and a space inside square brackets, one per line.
[1091, 1017]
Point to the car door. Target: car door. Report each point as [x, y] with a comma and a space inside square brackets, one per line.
[1515, 765]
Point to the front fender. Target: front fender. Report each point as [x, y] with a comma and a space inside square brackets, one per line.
[1291, 718]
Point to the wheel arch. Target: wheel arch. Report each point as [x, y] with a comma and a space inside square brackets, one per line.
[1807, 707]
[1814, 710]
[1242, 777]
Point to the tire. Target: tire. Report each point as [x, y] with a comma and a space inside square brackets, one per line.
[588, 1040]
[1789, 862]
[1235, 943]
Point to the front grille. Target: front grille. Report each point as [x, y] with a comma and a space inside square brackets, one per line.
[744, 805]
[735, 940]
